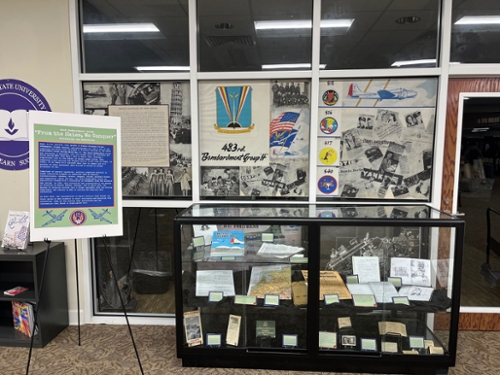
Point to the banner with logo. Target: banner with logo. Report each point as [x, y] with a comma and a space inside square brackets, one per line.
[75, 185]
[16, 98]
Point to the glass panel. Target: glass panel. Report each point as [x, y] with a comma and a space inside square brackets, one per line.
[163, 46]
[143, 262]
[246, 35]
[254, 139]
[156, 134]
[376, 138]
[383, 33]
[475, 32]
[243, 285]
[392, 283]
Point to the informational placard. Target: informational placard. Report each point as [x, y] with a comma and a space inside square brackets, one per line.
[75, 186]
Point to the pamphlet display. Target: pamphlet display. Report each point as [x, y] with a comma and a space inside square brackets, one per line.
[16, 234]
[358, 305]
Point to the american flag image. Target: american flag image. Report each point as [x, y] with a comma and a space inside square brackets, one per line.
[284, 122]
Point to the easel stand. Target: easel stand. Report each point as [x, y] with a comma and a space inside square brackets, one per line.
[37, 307]
[122, 302]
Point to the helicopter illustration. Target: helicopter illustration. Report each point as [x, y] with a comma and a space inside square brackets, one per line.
[100, 216]
[54, 217]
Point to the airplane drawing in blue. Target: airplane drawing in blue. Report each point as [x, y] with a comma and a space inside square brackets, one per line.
[54, 217]
[100, 216]
[399, 94]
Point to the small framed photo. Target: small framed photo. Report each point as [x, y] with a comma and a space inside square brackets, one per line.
[215, 296]
[389, 347]
[349, 340]
[193, 329]
[267, 237]
[401, 300]
[198, 241]
[396, 281]
[331, 298]
[352, 279]
[271, 300]
[416, 342]
[214, 339]
[369, 345]
[344, 322]
[289, 341]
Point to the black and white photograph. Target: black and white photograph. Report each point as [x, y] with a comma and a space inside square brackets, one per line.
[366, 122]
[193, 329]
[135, 181]
[349, 340]
[414, 119]
[373, 153]
[220, 181]
[290, 94]
[400, 191]
[349, 191]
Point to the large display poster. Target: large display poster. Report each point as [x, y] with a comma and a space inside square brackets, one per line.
[156, 137]
[376, 138]
[254, 138]
[74, 176]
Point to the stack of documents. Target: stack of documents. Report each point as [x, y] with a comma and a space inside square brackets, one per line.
[272, 250]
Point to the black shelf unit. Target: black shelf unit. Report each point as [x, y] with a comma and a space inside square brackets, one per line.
[25, 268]
[432, 235]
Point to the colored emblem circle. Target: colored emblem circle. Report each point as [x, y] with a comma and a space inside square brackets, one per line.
[17, 97]
[328, 156]
[78, 217]
[328, 125]
[326, 214]
[327, 184]
[330, 97]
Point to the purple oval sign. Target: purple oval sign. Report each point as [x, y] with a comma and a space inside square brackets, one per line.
[16, 99]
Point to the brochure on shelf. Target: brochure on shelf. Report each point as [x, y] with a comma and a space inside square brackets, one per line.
[227, 243]
[16, 234]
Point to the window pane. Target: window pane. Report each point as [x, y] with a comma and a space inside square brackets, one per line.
[382, 32]
[122, 52]
[232, 36]
[476, 31]
[143, 261]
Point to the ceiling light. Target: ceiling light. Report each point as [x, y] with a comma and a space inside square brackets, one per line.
[291, 66]
[301, 24]
[414, 62]
[478, 20]
[120, 28]
[161, 68]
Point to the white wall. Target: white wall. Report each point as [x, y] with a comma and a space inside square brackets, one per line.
[35, 48]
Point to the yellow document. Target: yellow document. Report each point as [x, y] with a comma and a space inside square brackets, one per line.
[330, 282]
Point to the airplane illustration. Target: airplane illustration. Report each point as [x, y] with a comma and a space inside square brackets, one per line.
[356, 93]
[236, 241]
[54, 217]
[100, 216]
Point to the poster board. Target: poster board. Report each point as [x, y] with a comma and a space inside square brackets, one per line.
[75, 186]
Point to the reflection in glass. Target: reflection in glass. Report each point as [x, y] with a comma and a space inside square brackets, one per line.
[134, 34]
[382, 33]
[245, 35]
[475, 32]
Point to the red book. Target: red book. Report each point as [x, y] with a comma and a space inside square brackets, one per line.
[14, 291]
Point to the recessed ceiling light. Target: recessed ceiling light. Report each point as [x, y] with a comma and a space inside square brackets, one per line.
[161, 68]
[478, 20]
[291, 66]
[301, 24]
[411, 19]
[414, 62]
[121, 28]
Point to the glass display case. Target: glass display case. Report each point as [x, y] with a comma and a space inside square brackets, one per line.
[345, 288]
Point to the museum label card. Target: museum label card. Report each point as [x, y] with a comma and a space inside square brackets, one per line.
[198, 241]
[344, 322]
[328, 340]
[289, 341]
[392, 327]
[352, 279]
[369, 345]
[225, 259]
[331, 298]
[210, 280]
[396, 281]
[215, 296]
[436, 350]
[265, 328]
[213, 339]
[245, 300]
[401, 300]
[364, 300]
[271, 300]
[411, 352]
[299, 258]
[389, 347]
[367, 269]
[233, 330]
[267, 237]
[416, 342]
[198, 255]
